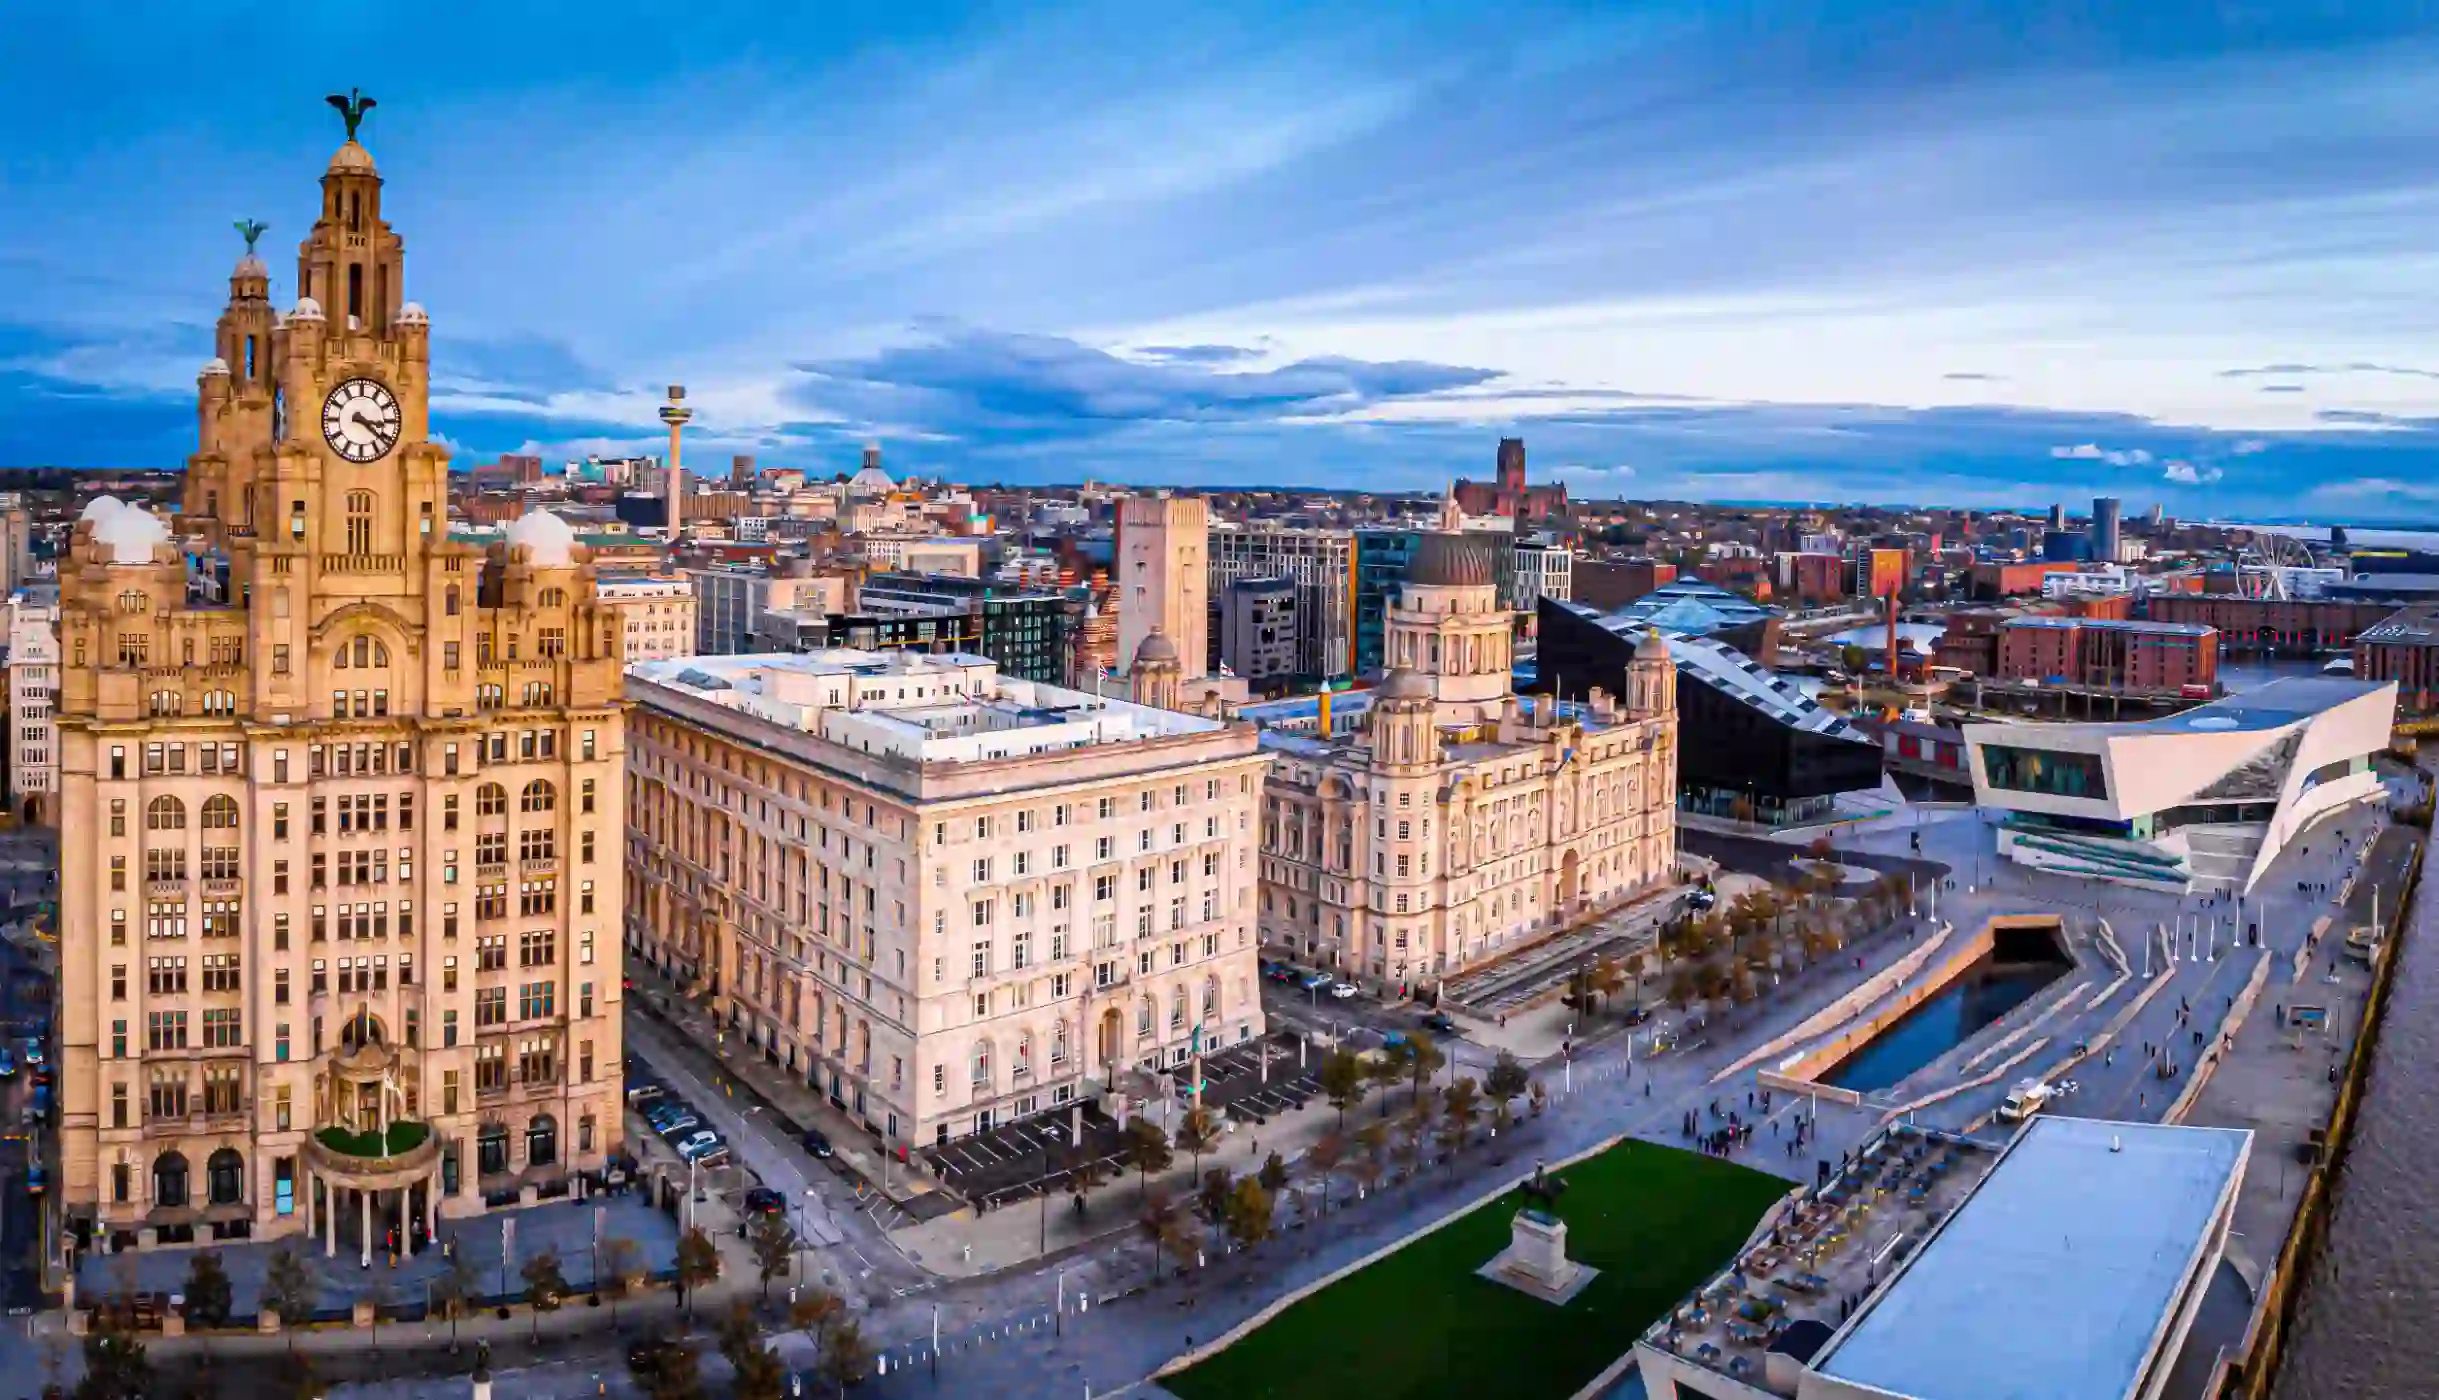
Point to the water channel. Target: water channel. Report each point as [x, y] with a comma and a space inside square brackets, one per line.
[1984, 991]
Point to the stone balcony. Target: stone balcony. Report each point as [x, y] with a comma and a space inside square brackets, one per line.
[369, 1161]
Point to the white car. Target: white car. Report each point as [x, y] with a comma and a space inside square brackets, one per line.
[1342, 990]
[693, 1148]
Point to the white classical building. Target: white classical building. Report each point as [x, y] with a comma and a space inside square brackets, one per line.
[2202, 800]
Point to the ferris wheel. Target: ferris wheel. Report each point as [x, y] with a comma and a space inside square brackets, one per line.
[2266, 565]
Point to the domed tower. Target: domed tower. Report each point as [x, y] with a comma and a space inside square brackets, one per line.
[1651, 678]
[1156, 672]
[1448, 627]
[1405, 722]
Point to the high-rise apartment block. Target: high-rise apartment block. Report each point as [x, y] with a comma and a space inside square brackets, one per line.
[339, 950]
[1322, 564]
[1163, 584]
[947, 897]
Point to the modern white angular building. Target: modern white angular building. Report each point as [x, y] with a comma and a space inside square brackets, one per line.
[2202, 800]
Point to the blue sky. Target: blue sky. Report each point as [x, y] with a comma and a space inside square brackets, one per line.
[1976, 254]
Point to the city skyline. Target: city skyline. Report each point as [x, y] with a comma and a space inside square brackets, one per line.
[1966, 259]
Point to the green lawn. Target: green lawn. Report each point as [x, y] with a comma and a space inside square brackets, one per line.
[1419, 1325]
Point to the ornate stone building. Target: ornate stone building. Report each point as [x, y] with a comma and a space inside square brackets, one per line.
[1460, 823]
[339, 942]
[948, 898]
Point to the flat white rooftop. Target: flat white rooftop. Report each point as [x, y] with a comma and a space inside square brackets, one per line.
[2059, 1277]
[946, 707]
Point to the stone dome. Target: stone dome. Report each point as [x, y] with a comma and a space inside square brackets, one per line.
[250, 266]
[552, 542]
[306, 309]
[413, 314]
[1156, 647]
[1452, 560]
[352, 159]
[1651, 648]
[1404, 684]
[213, 366]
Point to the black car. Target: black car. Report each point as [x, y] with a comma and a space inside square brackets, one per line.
[762, 1200]
[818, 1145]
[1438, 1023]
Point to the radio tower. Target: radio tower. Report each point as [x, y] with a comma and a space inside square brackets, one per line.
[675, 413]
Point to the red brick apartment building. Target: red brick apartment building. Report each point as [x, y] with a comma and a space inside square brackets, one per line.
[2105, 654]
[2403, 647]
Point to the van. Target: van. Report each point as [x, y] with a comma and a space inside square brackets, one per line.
[2024, 1100]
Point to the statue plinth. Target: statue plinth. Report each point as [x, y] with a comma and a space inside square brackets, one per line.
[1535, 1261]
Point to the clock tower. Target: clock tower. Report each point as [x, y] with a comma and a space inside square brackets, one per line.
[339, 948]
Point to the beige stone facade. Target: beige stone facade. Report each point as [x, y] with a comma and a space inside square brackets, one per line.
[948, 898]
[1163, 576]
[655, 614]
[1458, 823]
[338, 919]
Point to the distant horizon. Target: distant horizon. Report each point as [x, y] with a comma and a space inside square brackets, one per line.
[1781, 252]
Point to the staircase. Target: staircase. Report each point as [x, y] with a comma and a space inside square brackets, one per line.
[2222, 856]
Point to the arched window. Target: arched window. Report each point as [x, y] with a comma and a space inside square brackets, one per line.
[225, 1177]
[219, 702]
[539, 796]
[169, 1180]
[359, 522]
[542, 1141]
[491, 1148]
[554, 597]
[219, 813]
[491, 800]
[165, 814]
[362, 651]
[166, 704]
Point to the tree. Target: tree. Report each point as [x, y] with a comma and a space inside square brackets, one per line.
[1681, 989]
[1146, 1149]
[1344, 1080]
[813, 1308]
[1637, 962]
[1247, 1213]
[1507, 1080]
[1159, 1224]
[774, 1248]
[115, 1366]
[1197, 1133]
[1325, 1156]
[1422, 1060]
[621, 1259]
[1084, 1173]
[545, 1286]
[698, 1263]
[1367, 1164]
[1211, 1194]
[288, 1290]
[844, 1357]
[665, 1368]
[760, 1375]
[1274, 1173]
[1386, 1069]
[208, 1296]
[1463, 1104]
[1540, 1097]
[1608, 979]
[456, 1288]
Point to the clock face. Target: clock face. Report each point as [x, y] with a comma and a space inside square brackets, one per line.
[360, 420]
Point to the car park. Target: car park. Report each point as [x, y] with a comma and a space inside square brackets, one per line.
[818, 1144]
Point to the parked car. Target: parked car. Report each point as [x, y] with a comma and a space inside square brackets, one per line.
[8, 1062]
[818, 1145]
[1317, 982]
[1342, 990]
[692, 1148]
[41, 1104]
[677, 1128]
[643, 1091]
[1440, 1023]
[33, 1051]
[1703, 899]
[762, 1200]
[36, 1180]
[667, 1113]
